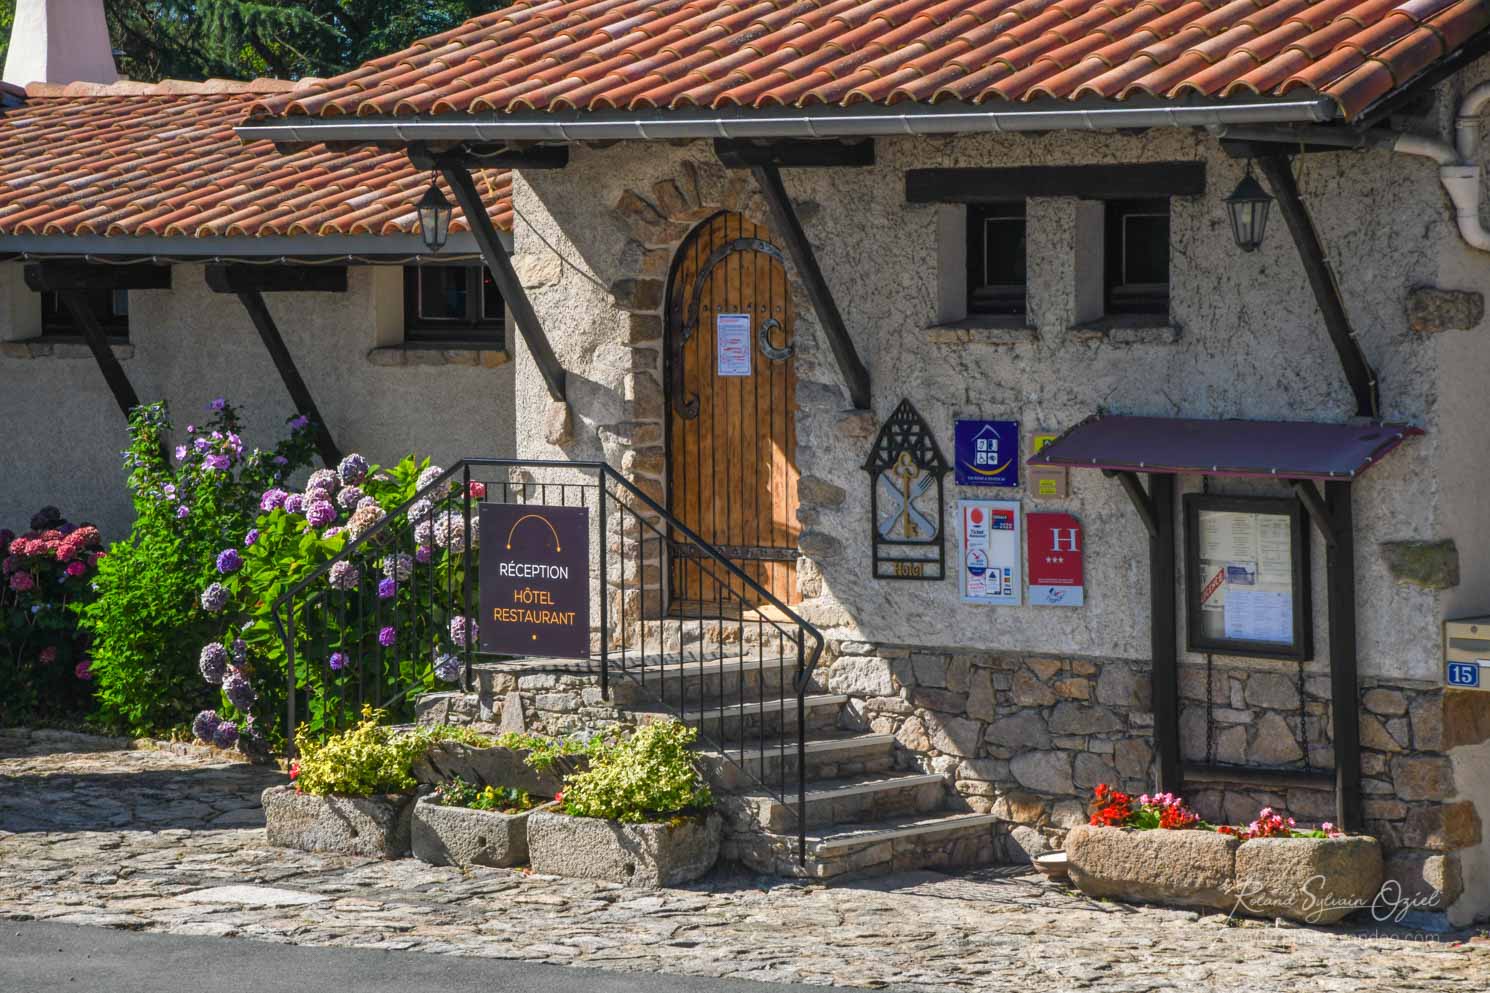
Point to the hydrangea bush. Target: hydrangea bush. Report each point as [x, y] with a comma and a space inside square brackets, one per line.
[195, 503]
[46, 574]
[377, 626]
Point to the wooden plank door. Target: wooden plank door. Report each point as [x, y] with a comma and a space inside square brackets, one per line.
[732, 411]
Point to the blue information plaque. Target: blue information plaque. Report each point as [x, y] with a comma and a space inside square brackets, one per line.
[987, 453]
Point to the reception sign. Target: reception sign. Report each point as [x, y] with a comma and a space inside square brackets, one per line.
[1055, 550]
[535, 580]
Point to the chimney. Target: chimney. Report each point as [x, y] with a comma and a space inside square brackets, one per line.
[60, 41]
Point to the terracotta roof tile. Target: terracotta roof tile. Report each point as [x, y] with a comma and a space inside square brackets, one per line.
[646, 54]
[133, 159]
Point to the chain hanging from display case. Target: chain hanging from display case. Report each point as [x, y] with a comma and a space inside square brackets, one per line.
[906, 499]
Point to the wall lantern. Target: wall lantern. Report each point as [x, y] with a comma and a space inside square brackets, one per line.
[1248, 206]
[434, 217]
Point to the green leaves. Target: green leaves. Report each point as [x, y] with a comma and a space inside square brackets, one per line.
[648, 776]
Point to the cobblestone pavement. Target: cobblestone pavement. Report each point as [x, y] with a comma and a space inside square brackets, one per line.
[91, 833]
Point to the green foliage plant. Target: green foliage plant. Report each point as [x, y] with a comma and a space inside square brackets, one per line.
[456, 792]
[369, 758]
[147, 621]
[545, 752]
[648, 775]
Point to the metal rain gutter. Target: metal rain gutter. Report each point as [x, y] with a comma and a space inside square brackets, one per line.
[826, 122]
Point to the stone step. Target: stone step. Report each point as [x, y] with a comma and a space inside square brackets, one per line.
[828, 756]
[680, 680]
[755, 719]
[850, 799]
[937, 840]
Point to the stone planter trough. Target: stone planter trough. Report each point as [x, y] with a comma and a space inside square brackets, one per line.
[499, 767]
[644, 855]
[465, 837]
[1312, 880]
[377, 826]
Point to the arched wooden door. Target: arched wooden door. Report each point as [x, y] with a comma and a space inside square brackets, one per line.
[732, 402]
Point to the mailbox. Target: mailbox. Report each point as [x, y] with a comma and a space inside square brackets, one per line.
[1466, 653]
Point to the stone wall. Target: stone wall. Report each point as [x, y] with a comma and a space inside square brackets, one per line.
[1028, 736]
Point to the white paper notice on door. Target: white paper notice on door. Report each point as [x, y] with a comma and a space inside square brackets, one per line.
[733, 334]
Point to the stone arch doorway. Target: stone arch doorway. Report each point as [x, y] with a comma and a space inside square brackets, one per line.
[731, 392]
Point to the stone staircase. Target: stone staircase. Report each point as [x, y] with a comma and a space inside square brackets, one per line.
[868, 806]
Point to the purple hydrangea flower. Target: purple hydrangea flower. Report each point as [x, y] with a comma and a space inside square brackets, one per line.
[180, 453]
[387, 636]
[399, 567]
[294, 504]
[201, 444]
[272, 499]
[251, 537]
[368, 501]
[226, 735]
[450, 531]
[229, 561]
[421, 510]
[447, 668]
[349, 497]
[337, 662]
[423, 553]
[239, 650]
[424, 532]
[214, 598]
[353, 469]
[427, 477]
[182, 512]
[321, 513]
[322, 479]
[344, 576]
[213, 662]
[461, 630]
[364, 519]
[332, 532]
[239, 690]
[280, 460]
[221, 463]
[387, 589]
[300, 422]
[217, 404]
[205, 725]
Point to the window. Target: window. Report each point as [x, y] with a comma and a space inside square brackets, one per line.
[995, 258]
[110, 307]
[449, 304]
[1137, 257]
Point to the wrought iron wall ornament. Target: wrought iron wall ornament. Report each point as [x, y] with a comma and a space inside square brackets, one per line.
[769, 350]
[906, 499]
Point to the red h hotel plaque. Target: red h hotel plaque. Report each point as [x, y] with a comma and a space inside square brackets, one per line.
[1055, 560]
[535, 580]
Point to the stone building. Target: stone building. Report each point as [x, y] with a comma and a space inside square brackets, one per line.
[134, 191]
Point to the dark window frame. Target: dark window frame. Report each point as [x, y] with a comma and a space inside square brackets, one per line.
[56, 319]
[477, 328]
[1121, 295]
[1002, 299]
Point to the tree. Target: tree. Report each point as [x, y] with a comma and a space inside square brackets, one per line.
[241, 39]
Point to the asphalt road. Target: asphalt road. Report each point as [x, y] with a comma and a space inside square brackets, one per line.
[42, 958]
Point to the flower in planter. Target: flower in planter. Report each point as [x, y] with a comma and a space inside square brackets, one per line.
[344, 576]
[321, 513]
[239, 690]
[447, 668]
[205, 725]
[229, 561]
[352, 469]
[214, 598]
[213, 662]
[399, 567]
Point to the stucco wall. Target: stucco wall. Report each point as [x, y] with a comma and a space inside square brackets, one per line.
[1246, 341]
[63, 431]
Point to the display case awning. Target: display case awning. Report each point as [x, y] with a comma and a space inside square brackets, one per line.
[1263, 449]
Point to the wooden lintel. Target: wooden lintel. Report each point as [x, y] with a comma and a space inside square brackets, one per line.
[790, 153]
[788, 228]
[474, 209]
[55, 277]
[1094, 182]
[284, 363]
[241, 278]
[469, 156]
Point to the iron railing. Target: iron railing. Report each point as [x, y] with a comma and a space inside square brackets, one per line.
[737, 666]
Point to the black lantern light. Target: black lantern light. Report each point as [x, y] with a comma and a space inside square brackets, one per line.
[434, 217]
[1248, 206]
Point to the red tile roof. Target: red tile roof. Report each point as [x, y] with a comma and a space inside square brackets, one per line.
[655, 54]
[135, 159]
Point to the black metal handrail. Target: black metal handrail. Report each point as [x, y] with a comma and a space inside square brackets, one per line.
[739, 631]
